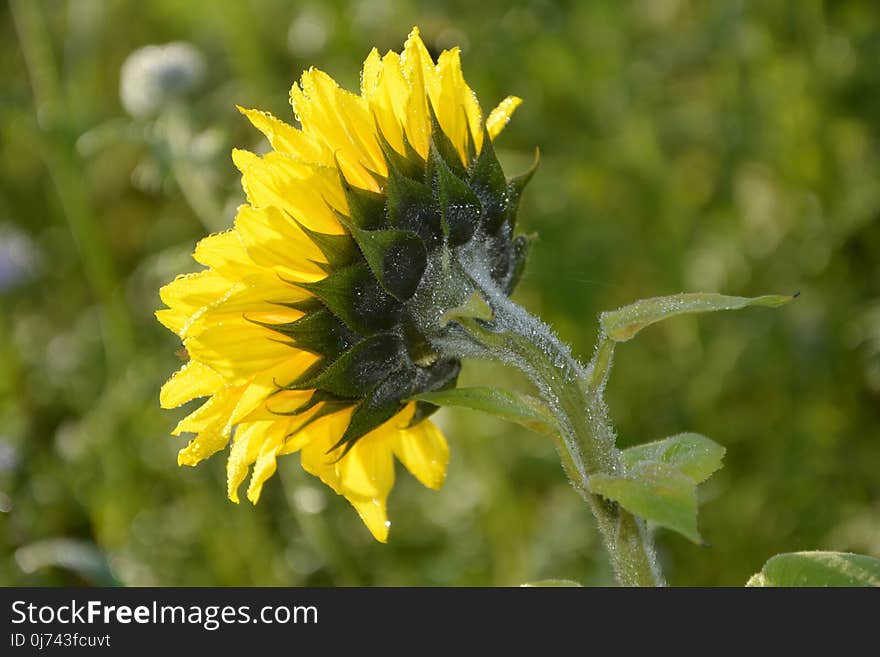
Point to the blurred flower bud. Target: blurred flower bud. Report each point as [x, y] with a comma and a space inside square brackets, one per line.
[18, 257]
[308, 33]
[153, 75]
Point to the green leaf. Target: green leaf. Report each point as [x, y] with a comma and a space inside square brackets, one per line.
[552, 583]
[622, 324]
[693, 455]
[506, 404]
[818, 569]
[657, 492]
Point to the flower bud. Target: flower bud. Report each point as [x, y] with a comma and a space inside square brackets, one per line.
[152, 76]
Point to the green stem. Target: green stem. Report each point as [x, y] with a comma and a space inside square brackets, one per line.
[175, 130]
[65, 171]
[574, 395]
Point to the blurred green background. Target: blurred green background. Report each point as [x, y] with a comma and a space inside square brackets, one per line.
[725, 146]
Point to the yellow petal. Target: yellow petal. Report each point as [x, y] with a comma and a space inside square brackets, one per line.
[240, 306]
[388, 97]
[246, 445]
[209, 424]
[474, 116]
[211, 412]
[420, 74]
[273, 239]
[187, 294]
[370, 74]
[424, 452]
[306, 192]
[374, 513]
[294, 442]
[499, 116]
[274, 315]
[368, 468]
[223, 252]
[207, 442]
[456, 104]
[192, 380]
[257, 392]
[287, 139]
[266, 463]
[283, 402]
[227, 256]
[236, 352]
[173, 320]
[354, 116]
[342, 121]
[319, 437]
[448, 105]
[374, 89]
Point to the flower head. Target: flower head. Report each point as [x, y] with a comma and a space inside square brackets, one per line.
[318, 315]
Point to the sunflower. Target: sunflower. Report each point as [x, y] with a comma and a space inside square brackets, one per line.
[317, 316]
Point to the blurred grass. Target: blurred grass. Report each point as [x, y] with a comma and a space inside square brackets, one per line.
[729, 146]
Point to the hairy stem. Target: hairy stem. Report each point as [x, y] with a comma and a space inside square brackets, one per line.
[573, 392]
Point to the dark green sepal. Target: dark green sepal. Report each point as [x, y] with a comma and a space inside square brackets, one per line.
[420, 350]
[515, 187]
[309, 305]
[311, 372]
[319, 332]
[354, 295]
[317, 397]
[409, 165]
[519, 254]
[327, 408]
[366, 208]
[411, 206]
[423, 411]
[518, 183]
[339, 250]
[397, 258]
[377, 407]
[441, 376]
[498, 254]
[460, 209]
[489, 184]
[359, 369]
